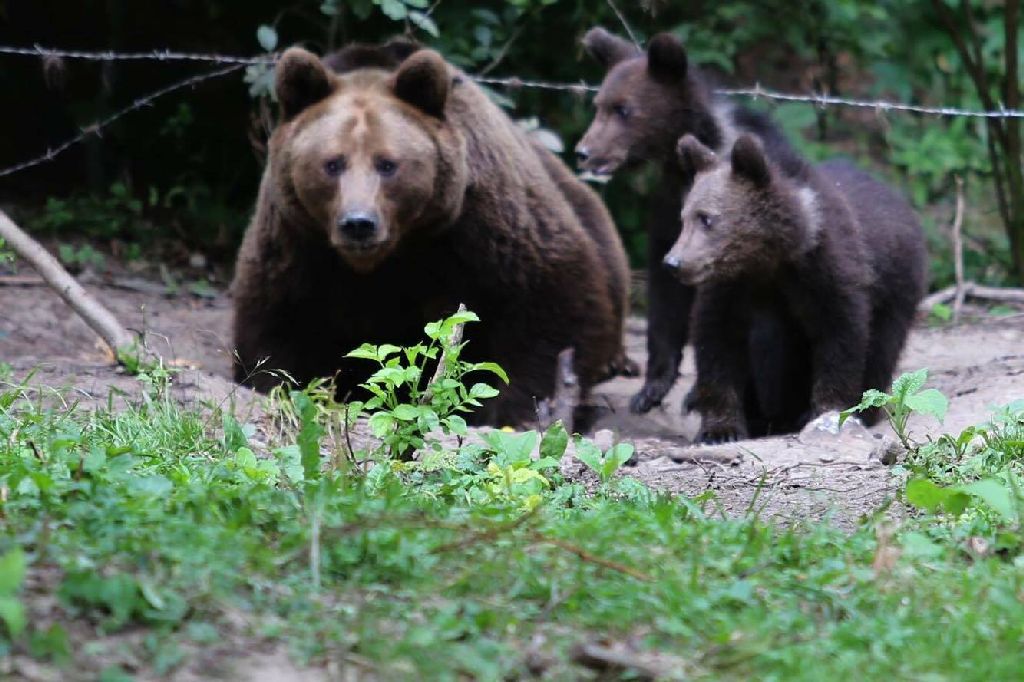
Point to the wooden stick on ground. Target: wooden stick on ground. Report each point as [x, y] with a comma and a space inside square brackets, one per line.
[101, 320]
[958, 250]
[972, 290]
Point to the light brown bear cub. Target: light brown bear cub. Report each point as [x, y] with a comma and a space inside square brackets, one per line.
[807, 287]
[395, 190]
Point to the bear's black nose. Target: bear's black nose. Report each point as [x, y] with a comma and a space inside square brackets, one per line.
[358, 226]
[671, 261]
[582, 154]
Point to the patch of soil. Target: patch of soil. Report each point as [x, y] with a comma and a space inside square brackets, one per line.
[979, 365]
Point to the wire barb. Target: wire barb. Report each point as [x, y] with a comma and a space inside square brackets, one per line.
[97, 126]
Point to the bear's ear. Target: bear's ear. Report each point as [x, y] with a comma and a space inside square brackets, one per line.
[694, 157]
[423, 81]
[666, 58]
[606, 48]
[300, 81]
[749, 161]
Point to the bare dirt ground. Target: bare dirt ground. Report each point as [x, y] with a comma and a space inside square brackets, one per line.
[979, 365]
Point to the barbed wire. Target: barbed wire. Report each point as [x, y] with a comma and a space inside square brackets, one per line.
[152, 55]
[578, 88]
[880, 105]
[96, 127]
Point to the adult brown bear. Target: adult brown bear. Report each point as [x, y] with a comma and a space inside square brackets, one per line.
[394, 190]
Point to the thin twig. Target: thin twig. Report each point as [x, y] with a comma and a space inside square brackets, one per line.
[625, 24]
[584, 555]
[972, 290]
[487, 535]
[958, 250]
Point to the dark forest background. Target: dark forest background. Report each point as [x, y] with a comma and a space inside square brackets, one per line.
[179, 177]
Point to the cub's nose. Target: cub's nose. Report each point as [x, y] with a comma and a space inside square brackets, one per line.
[358, 225]
[671, 261]
[582, 154]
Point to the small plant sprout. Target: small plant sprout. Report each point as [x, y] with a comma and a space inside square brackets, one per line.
[406, 408]
[603, 464]
[908, 397]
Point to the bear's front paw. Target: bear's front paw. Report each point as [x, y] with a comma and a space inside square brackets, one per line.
[716, 432]
[650, 396]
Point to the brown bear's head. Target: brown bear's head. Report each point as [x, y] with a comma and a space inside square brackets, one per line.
[741, 217]
[647, 100]
[367, 157]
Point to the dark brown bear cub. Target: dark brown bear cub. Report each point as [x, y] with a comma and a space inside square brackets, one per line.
[648, 100]
[806, 287]
[396, 190]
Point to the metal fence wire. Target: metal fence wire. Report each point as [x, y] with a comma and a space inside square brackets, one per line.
[236, 63]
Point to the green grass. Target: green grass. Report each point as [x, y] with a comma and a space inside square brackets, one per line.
[151, 517]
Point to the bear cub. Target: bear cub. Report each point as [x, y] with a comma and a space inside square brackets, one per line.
[807, 285]
[648, 100]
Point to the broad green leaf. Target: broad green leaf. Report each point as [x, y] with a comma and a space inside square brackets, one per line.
[619, 455]
[930, 402]
[554, 442]
[155, 485]
[909, 383]
[12, 613]
[482, 391]
[492, 367]
[267, 37]
[394, 9]
[406, 413]
[381, 424]
[924, 494]
[589, 454]
[12, 571]
[994, 494]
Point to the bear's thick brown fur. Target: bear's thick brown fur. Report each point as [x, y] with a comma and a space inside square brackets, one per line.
[648, 100]
[395, 190]
[806, 287]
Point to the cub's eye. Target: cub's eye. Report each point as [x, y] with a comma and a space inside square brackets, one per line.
[386, 167]
[706, 220]
[622, 111]
[334, 167]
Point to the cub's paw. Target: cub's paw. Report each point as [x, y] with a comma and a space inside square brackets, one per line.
[650, 396]
[621, 366]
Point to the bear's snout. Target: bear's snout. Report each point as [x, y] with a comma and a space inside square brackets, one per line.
[672, 261]
[359, 226]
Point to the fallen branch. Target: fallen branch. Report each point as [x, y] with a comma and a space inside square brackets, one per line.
[101, 320]
[972, 290]
[619, 658]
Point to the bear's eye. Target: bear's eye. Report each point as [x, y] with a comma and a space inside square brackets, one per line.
[707, 221]
[621, 110]
[386, 167]
[334, 167]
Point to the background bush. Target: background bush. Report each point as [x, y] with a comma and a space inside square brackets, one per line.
[187, 168]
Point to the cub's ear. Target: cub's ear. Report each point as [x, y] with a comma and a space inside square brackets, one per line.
[423, 81]
[300, 81]
[666, 58]
[749, 161]
[606, 48]
[694, 157]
